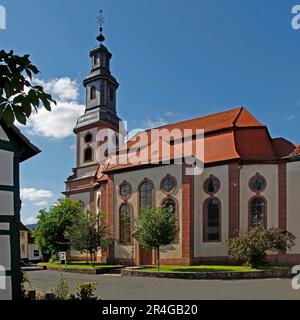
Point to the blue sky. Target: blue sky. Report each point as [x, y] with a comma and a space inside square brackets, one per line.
[174, 60]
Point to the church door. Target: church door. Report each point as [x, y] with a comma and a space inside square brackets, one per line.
[146, 257]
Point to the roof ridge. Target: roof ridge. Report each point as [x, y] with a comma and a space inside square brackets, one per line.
[241, 109]
[196, 118]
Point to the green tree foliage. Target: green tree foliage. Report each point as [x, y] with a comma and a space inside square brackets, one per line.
[154, 228]
[52, 226]
[251, 247]
[18, 97]
[88, 233]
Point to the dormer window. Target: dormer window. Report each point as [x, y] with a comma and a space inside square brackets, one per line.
[93, 93]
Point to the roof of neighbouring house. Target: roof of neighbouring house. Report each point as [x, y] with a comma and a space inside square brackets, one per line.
[229, 135]
[28, 150]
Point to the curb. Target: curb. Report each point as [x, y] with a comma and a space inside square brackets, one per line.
[83, 270]
[219, 275]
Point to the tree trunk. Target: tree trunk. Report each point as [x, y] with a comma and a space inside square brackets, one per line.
[158, 257]
[91, 257]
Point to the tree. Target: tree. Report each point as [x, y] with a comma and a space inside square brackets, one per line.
[251, 246]
[154, 228]
[52, 225]
[88, 233]
[18, 96]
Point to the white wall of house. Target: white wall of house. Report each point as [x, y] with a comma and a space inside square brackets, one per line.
[135, 178]
[6, 208]
[293, 202]
[210, 249]
[33, 252]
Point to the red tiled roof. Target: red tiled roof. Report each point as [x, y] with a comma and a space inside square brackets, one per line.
[232, 134]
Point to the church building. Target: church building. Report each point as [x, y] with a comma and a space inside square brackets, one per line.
[249, 179]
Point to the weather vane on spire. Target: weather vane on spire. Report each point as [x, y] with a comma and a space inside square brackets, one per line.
[100, 20]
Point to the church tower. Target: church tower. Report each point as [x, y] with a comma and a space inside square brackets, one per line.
[100, 113]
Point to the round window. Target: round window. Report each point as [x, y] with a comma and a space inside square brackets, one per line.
[125, 190]
[258, 183]
[212, 185]
[168, 184]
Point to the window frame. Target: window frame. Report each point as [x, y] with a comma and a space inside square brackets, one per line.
[204, 221]
[176, 214]
[146, 180]
[93, 93]
[131, 215]
[173, 190]
[130, 188]
[206, 182]
[257, 176]
[92, 154]
[265, 220]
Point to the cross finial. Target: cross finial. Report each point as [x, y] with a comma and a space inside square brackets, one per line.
[100, 19]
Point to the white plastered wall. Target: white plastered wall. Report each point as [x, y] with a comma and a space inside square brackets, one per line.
[135, 178]
[270, 173]
[210, 249]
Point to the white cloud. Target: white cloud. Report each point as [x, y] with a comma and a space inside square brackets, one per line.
[62, 89]
[170, 114]
[32, 194]
[59, 123]
[29, 220]
[290, 118]
[41, 203]
[158, 122]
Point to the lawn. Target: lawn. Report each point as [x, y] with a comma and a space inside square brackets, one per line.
[79, 265]
[204, 268]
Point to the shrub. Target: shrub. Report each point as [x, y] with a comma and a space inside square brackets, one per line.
[62, 290]
[86, 291]
[251, 247]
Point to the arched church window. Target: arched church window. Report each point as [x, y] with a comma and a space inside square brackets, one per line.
[212, 220]
[146, 194]
[257, 214]
[125, 223]
[170, 205]
[93, 93]
[88, 154]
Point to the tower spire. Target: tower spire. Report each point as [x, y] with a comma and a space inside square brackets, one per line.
[100, 20]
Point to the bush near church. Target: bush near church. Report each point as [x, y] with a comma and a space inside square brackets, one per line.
[251, 247]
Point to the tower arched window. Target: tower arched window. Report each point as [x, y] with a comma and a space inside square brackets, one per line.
[257, 214]
[125, 223]
[146, 190]
[93, 93]
[88, 154]
[212, 220]
[111, 94]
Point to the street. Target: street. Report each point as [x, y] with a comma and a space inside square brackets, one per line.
[116, 287]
